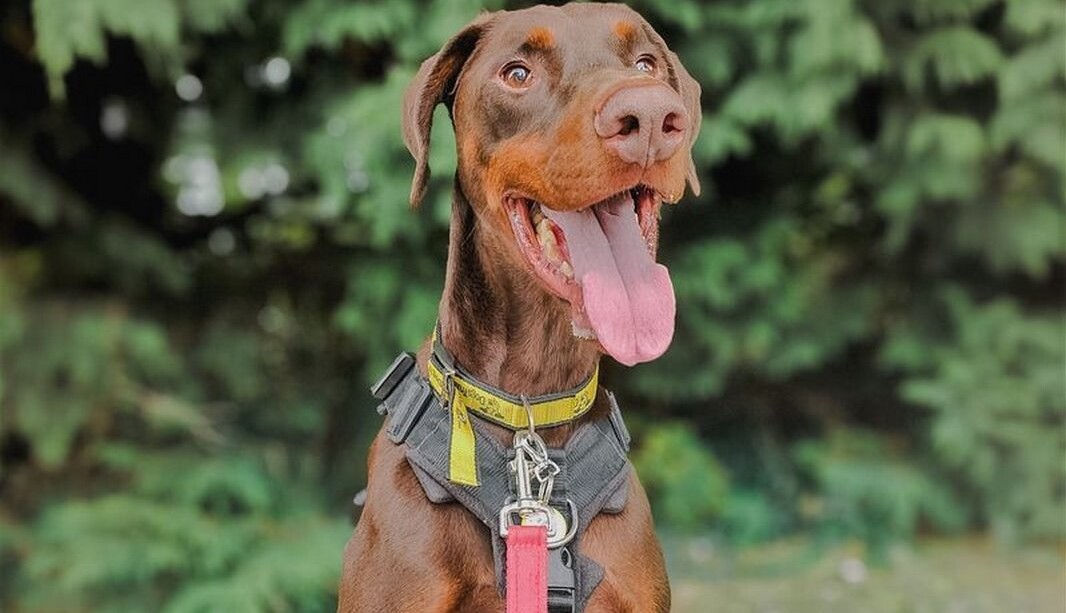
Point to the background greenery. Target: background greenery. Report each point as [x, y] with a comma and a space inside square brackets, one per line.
[201, 274]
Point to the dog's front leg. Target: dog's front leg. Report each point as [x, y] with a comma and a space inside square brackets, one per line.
[409, 555]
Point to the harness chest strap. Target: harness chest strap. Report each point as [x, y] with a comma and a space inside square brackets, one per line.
[463, 394]
[594, 474]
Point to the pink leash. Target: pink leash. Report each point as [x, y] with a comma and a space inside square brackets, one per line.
[527, 569]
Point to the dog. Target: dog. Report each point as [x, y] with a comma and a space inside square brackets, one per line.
[573, 126]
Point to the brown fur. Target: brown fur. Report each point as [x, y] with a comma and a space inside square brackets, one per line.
[499, 322]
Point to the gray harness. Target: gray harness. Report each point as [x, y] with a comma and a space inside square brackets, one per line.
[593, 479]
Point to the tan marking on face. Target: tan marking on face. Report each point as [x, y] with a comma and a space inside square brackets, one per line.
[541, 38]
[625, 30]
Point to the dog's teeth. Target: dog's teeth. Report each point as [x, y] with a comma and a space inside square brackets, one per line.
[552, 253]
[546, 237]
[582, 332]
[544, 231]
[549, 246]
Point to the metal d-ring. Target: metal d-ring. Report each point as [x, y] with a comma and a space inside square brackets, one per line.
[532, 425]
[449, 386]
[571, 529]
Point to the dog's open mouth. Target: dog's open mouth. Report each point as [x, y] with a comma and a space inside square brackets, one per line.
[601, 259]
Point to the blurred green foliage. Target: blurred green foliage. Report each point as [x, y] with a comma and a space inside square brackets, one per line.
[207, 255]
[859, 485]
[691, 488]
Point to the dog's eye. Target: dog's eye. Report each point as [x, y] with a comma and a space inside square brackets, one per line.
[645, 63]
[516, 75]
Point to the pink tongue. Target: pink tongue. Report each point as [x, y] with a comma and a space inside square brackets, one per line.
[628, 297]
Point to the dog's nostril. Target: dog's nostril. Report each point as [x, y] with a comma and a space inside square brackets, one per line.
[671, 123]
[630, 124]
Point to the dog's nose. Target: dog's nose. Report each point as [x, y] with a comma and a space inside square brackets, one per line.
[642, 124]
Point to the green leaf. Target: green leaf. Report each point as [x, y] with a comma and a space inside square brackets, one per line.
[720, 138]
[321, 23]
[954, 138]
[1015, 235]
[953, 56]
[757, 99]
[212, 16]
[65, 31]
[936, 11]
[69, 30]
[849, 44]
[1032, 17]
[1034, 125]
[1033, 69]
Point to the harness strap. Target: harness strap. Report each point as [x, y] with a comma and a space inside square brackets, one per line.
[594, 475]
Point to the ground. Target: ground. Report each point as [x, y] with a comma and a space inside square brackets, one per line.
[956, 576]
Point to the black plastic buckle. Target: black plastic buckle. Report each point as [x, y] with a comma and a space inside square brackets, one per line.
[406, 406]
[393, 375]
[561, 583]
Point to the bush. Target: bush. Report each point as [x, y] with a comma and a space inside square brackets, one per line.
[996, 394]
[689, 486]
[861, 488]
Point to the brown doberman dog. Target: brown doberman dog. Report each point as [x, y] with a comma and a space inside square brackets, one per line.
[573, 125]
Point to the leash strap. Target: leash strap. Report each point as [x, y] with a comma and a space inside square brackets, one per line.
[527, 569]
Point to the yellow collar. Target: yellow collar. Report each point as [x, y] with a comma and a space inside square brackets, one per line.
[461, 393]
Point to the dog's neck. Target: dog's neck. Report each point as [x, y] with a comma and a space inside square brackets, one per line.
[498, 322]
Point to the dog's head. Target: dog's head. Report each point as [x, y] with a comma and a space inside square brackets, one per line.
[573, 125]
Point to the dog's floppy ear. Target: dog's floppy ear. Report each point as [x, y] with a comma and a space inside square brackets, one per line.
[689, 89]
[435, 83]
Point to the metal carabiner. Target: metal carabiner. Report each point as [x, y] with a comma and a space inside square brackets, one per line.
[520, 467]
[531, 461]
